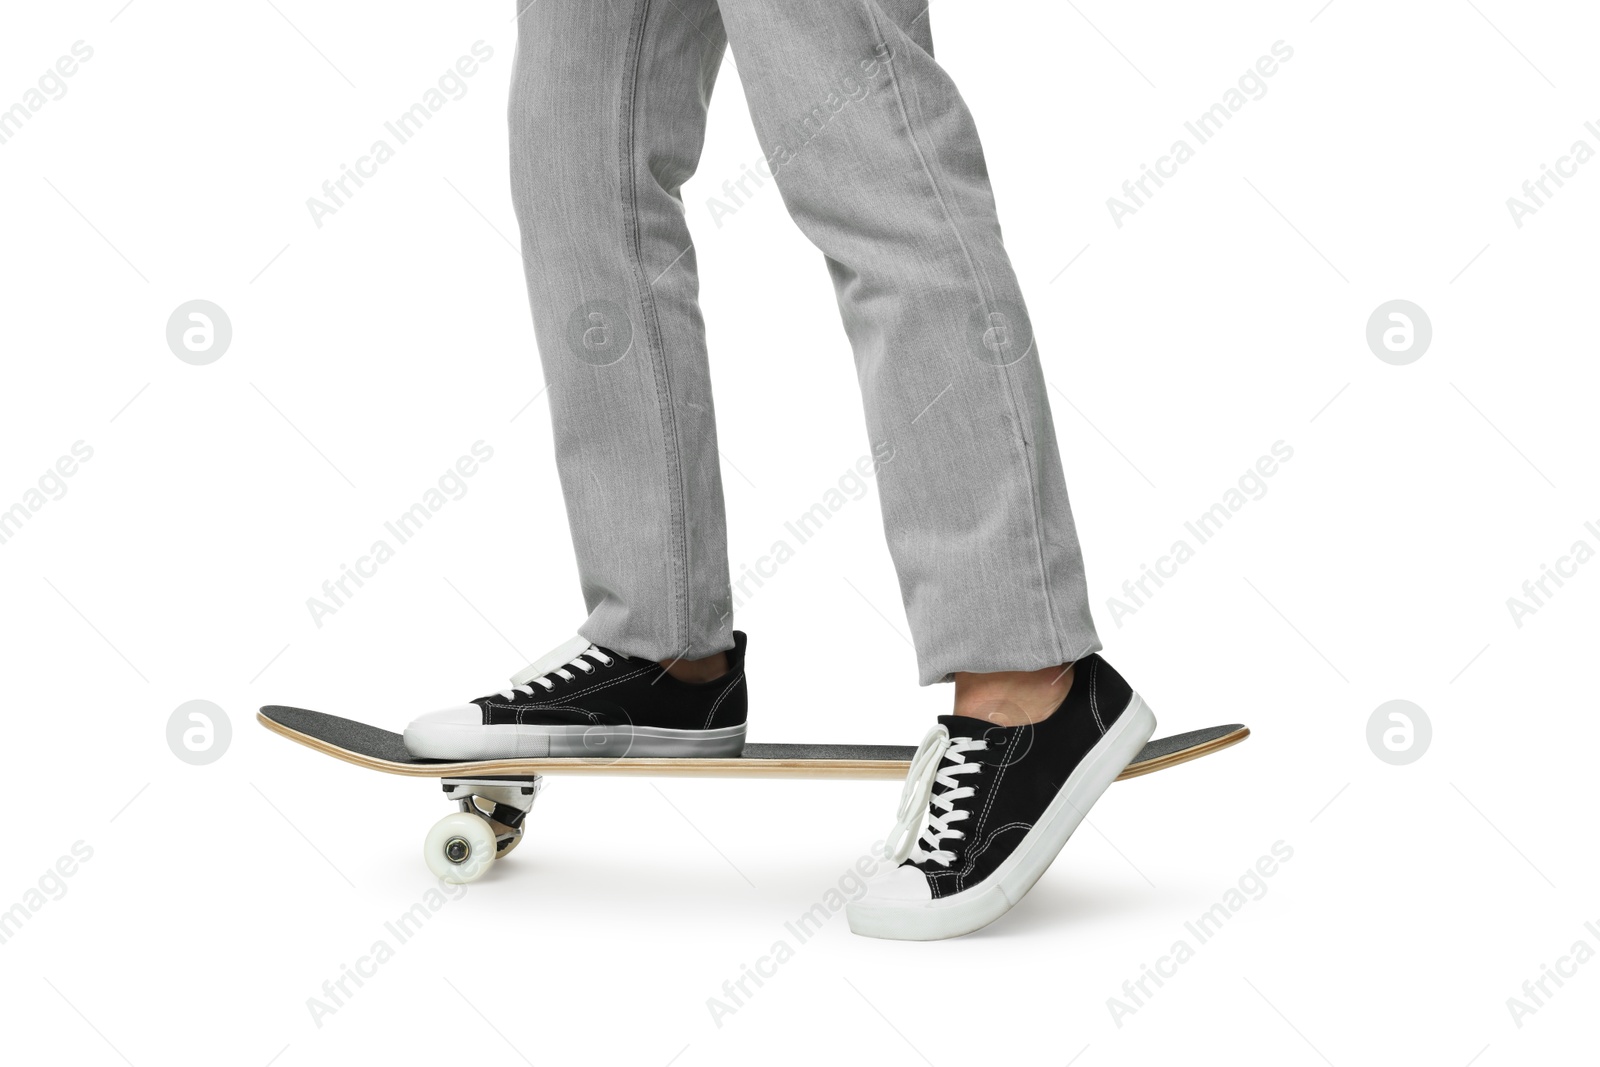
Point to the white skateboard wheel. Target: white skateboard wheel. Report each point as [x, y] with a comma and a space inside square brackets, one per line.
[459, 848]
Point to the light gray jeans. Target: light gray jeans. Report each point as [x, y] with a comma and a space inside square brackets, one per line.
[878, 161]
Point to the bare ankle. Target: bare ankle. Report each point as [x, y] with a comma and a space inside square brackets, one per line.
[1012, 698]
[696, 671]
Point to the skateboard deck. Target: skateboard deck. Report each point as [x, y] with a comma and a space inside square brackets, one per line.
[495, 796]
[382, 750]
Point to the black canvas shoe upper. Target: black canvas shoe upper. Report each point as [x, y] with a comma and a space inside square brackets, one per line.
[618, 690]
[1005, 777]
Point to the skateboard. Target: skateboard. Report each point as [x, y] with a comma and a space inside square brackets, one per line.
[495, 796]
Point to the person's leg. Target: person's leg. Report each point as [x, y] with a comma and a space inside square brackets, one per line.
[607, 117]
[879, 162]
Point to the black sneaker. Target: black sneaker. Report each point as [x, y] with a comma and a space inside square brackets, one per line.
[584, 700]
[986, 808]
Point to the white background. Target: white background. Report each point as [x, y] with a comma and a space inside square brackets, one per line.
[369, 354]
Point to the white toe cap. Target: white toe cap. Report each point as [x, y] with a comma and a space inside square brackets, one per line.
[449, 733]
[459, 715]
[901, 885]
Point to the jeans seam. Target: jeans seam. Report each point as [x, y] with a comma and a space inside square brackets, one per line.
[678, 550]
[986, 295]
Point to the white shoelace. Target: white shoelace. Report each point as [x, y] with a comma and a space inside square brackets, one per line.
[554, 664]
[918, 801]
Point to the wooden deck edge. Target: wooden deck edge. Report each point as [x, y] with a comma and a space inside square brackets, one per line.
[884, 770]
[1186, 755]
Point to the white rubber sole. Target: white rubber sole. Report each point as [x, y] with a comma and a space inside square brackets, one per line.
[977, 907]
[464, 741]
